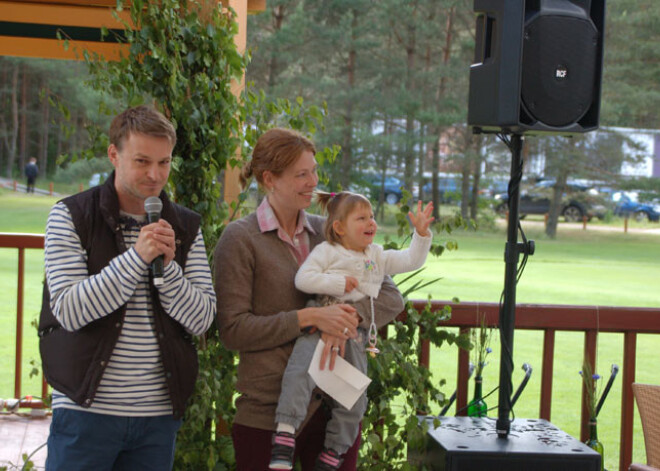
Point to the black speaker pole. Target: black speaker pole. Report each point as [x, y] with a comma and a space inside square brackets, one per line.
[508, 310]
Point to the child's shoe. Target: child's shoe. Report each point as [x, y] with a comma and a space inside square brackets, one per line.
[328, 460]
[281, 457]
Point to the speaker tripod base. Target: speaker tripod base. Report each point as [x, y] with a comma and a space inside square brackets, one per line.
[470, 444]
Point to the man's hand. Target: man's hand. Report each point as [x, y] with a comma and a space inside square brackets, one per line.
[156, 239]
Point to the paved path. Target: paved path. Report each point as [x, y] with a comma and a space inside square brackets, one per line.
[23, 435]
[20, 187]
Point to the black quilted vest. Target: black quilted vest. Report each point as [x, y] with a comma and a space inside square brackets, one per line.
[73, 362]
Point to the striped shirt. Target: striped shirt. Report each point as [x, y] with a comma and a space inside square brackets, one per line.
[133, 382]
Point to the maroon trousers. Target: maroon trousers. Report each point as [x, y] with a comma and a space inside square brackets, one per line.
[252, 446]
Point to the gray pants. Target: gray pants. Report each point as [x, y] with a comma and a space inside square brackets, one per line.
[297, 386]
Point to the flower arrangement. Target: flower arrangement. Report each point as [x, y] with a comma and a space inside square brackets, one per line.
[480, 339]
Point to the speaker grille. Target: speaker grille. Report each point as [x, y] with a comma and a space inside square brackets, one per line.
[559, 69]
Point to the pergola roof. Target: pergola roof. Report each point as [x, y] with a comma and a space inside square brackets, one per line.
[29, 28]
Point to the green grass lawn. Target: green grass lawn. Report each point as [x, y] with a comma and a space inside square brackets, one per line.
[578, 267]
[592, 267]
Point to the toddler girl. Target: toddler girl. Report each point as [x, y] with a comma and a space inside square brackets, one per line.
[345, 268]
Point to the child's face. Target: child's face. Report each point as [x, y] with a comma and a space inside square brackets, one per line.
[358, 230]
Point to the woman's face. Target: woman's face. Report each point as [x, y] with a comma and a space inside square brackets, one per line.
[294, 188]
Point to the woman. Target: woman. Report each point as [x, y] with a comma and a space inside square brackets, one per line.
[261, 313]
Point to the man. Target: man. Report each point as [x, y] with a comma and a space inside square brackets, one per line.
[116, 348]
[31, 172]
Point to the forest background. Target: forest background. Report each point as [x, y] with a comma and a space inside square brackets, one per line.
[393, 75]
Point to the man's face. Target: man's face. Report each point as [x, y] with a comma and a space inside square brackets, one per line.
[142, 167]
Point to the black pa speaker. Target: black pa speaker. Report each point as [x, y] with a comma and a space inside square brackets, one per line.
[537, 66]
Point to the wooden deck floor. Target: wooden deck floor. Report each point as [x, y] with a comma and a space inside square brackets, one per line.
[19, 435]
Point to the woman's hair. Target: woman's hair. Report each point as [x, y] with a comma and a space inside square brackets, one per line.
[141, 119]
[276, 149]
[338, 206]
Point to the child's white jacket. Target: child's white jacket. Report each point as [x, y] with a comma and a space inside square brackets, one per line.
[327, 266]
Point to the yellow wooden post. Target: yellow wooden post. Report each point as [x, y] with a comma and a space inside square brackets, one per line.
[231, 183]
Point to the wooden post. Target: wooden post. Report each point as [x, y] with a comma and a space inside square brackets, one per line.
[546, 218]
[625, 224]
[627, 399]
[546, 374]
[463, 369]
[590, 345]
[51, 187]
[15, 186]
[231, 184]
[584, 223]
[19, 323]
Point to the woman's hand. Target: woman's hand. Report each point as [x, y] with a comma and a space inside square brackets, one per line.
[337, 323]
[340, 320]
[423, 219]
[333, 346]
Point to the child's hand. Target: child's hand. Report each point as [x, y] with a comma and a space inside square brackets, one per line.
[423, 219]
[351, 284]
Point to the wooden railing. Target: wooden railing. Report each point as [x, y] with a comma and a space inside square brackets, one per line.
[546, 318]
[553, 318]
[22, 242]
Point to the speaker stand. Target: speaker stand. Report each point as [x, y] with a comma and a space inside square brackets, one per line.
[508, 310]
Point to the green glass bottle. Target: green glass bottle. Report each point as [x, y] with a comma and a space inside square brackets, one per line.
[596, 444]
[477, 407]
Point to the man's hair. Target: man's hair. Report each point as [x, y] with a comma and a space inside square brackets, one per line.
[142, 120]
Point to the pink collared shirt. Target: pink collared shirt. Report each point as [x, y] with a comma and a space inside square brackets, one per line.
[299, 244]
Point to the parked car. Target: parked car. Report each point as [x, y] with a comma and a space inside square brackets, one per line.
[449, 189]
[98, 178]
[627, 204]
[493, 187]
[577, 201]
[370, 185]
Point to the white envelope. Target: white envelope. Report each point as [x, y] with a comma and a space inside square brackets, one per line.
[344, 383]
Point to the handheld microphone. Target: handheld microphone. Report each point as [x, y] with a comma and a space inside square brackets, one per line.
[153, 206]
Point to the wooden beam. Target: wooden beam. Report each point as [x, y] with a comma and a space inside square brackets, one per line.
[53, 49]
[30, 29]
[93, 3]
[256, 6]
[84, 15]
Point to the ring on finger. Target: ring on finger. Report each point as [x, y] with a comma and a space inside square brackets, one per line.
[345, 330]
[335, 349]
